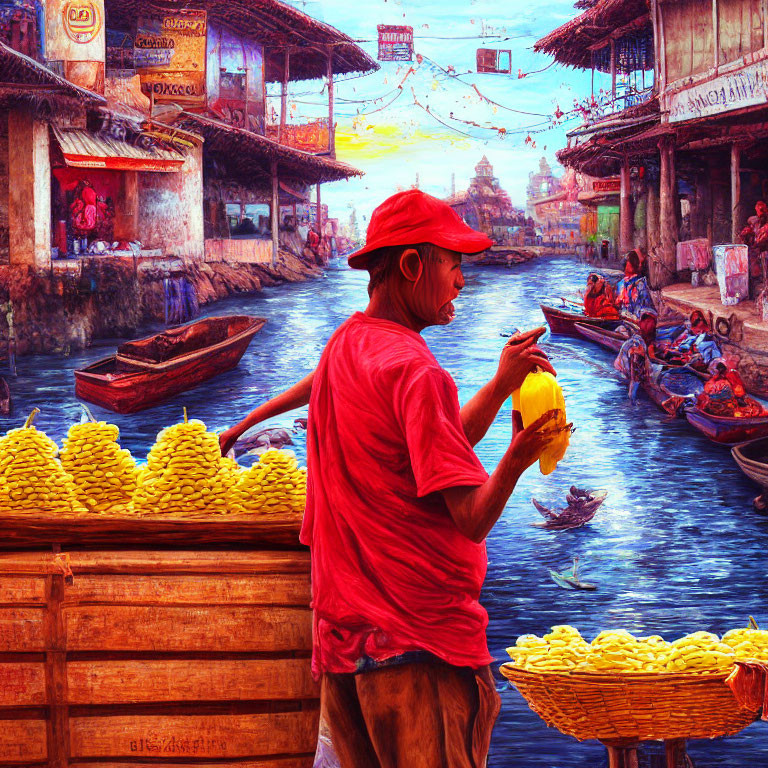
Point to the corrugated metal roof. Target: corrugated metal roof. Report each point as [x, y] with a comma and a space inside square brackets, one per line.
[77, 142]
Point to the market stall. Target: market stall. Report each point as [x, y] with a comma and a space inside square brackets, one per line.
[141, 626]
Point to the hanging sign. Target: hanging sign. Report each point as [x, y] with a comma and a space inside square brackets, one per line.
[395, 43]
[82, 20]
[173, 43]
[746, 88]
[489, 60]
[177, 87]
[607, 185]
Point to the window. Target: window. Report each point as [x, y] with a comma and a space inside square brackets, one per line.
[233, 214]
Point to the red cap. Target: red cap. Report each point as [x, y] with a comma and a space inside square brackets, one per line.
[413, 217]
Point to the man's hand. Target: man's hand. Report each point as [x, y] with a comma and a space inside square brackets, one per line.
[528, 444]
[518, 358]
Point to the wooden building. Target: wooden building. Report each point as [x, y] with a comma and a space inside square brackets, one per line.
[486, 206]
[135, 123]
[687, 141]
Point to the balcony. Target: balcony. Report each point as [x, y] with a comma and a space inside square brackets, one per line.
[312, 136]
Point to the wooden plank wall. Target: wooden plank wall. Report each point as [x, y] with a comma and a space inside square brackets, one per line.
[157, 658]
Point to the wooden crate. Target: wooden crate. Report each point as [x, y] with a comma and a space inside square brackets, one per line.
[157, 657]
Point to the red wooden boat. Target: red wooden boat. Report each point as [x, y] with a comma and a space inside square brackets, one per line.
[563, 321]
[727, 430]
[147, 371]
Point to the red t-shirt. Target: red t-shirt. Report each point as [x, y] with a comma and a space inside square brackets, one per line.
[391, 572]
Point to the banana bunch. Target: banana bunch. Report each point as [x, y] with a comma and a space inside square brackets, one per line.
[31, 477]
[700, 651]
[275, 483]
[617, 650]
[104, 473]
[541, 393]
[564, 650]
[185, 473]
[748, 643]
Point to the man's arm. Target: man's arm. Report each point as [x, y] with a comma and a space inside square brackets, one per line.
[475, 510]
[295, 397]
[518, 358]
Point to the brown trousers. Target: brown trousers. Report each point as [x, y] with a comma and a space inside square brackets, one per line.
[419, 715]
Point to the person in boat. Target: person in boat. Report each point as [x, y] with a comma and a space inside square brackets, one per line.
[634, 364]
[633, 294]
[398, 504]
[599, 300]
[725, 395]
[694, 346]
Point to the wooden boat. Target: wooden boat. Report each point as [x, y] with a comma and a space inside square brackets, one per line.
[752, 458]
[676, 384]
[5, 398]
[727, 430]
[605, 337]
[147, 371]
[562, 320]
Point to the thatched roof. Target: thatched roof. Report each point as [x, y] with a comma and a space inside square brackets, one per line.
[23, 78]
[277, 26]
[633, 132]
[248, 156]
[570, 44]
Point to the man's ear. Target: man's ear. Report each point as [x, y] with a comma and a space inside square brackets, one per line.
[411, 265]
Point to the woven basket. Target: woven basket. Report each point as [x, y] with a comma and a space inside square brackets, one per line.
[639, 707]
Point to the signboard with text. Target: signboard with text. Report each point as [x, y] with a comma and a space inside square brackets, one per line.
[607, 185]
[169, 53]
[395, 43]
[735, 90]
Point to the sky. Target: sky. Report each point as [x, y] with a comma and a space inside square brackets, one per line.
[387, 132]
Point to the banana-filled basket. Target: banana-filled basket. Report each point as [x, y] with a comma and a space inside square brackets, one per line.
[640, 707]
[620, 687]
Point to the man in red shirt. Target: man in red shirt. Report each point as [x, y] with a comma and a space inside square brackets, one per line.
[398, 504]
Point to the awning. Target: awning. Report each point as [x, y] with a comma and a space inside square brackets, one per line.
[82, 149]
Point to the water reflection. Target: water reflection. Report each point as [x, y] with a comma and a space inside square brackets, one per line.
[675, 548]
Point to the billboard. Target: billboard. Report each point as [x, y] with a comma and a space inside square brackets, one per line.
[489, 60]
[395, 43]
[169, 53]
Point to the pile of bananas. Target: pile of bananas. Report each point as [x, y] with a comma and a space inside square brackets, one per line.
[275, 483]
[104, 473]
[618, 651]
[31, 477]
[748, 643]
[541, 393]
[185, 473]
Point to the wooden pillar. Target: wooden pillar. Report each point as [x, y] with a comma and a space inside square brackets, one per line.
[126, 214]
[764, 10]
[674, 752]
[626, 222]
[275, 213]
[735, 192]
[331, 131]
[284, 94]
[715, 35]
[319, 218]
[667, 214]
[662, 49]
[29, 193]
[652, 223]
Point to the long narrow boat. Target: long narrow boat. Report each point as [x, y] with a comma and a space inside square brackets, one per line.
[727, 430]
[679, 383]
[563, 321]
[752, 458]
[605, 337]
[147, 371]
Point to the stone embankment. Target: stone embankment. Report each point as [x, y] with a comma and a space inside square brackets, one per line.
[63, 310]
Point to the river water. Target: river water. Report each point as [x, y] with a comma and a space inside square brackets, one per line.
[675, 548]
